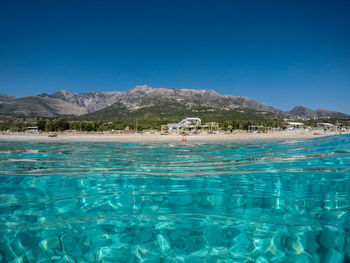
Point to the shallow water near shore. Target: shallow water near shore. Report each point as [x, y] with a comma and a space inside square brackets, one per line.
[271, 201]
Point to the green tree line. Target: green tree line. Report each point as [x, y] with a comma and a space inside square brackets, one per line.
[62, 124]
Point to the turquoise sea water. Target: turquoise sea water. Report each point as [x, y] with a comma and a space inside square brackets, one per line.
[281, 201]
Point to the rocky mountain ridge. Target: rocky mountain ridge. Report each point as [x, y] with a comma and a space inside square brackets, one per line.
[134, 99]
[37, 106]
[301, 111]
[143, 97]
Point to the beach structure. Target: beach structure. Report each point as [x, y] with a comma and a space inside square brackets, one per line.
[255, 128]
[261, 129]
[33, 129]
[210, 127]
[172, 127]
[328, 125]
[187, 123]
[164, 129]
[11, 130]
[191, 124]
[291, 126]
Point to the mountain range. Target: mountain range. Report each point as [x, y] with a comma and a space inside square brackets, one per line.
[144, 101]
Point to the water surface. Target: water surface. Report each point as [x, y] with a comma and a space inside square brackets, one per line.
[281, 201]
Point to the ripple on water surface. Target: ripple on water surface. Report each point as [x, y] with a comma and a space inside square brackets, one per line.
[282, 201]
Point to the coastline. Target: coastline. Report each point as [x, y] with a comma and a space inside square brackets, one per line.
[158, 138]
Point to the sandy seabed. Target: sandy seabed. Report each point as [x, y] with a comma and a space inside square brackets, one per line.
[155, 138]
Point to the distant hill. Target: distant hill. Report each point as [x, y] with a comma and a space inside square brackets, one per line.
[37, 106]
[302, 111]
[324, 113]
[147, 102]
[250, 103]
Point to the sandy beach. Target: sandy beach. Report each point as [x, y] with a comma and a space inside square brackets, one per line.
[150, 138]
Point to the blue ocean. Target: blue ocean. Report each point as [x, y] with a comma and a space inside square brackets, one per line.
[268, 201]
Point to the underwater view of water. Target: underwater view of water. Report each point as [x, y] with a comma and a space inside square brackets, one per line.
[269, 201]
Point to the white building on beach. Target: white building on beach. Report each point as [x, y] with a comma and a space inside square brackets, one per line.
[294, 125]
[185, 123]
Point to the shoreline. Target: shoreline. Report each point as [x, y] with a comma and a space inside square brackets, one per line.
[158, 138]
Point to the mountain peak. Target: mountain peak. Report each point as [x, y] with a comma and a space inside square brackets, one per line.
[303, 111]
[301, 107]
[62, 91]
[62, 94]
[139, 90]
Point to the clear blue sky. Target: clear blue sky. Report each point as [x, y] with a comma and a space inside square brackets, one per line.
[283, 53]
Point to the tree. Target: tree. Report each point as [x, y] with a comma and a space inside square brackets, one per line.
[61, 125]
[41, 124]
